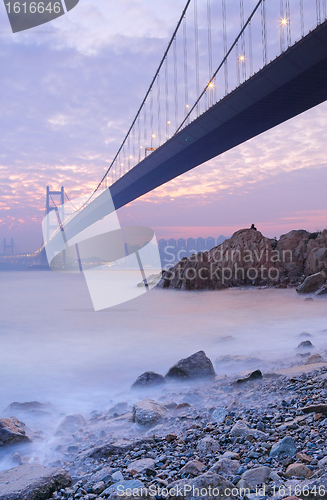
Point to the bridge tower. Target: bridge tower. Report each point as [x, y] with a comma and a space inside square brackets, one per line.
[8, 246]
[51, 205]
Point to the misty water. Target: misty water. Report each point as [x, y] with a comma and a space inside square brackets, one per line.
[55, 348]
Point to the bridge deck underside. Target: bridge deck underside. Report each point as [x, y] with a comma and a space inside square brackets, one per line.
[291, 84]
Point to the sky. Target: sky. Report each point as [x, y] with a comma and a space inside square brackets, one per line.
[69, 91]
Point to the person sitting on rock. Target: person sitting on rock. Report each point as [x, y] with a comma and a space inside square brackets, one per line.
[253, 227]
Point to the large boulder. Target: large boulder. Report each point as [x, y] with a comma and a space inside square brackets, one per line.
[32, 482]
[148, 379]
[312, 283]
[148, 412]
[71, 424]
[197, 366]
[12, 431]
[316, 253]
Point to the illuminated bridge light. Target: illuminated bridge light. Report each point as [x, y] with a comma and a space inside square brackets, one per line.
[284, 22]
[153, 135]
[241, 58]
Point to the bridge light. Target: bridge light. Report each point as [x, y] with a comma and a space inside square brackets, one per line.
[168, 122]
[187, 106]
[241, 58]
[284, 22]
[210, 85]
[153, 135]
[131, 156]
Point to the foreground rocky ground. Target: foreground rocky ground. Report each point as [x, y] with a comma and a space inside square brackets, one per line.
[189, 434]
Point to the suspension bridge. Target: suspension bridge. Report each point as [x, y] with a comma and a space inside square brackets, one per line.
[227, 75]
[273, 68]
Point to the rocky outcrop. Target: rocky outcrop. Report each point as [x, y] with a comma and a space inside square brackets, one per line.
[313, 283]
[196, 366]
[32, 481]
[12, 431]
[250, 259]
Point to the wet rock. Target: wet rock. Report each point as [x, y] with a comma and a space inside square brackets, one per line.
[232, 455]
[148, 379]
[31, 482]
[298, 470]
[141, 465]
[312, 283]
[242, 429]
[71, 424]
[194, 467]
[33, 408]
[315, 358]
[12, 431]
[285, 446]
[256, 375]
[148, 412]
[207, 445]
[256, 477]
[184, 487]
[196, 366]
[305, 344]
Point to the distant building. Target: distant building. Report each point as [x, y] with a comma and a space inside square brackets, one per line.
[190, 243]
[172, 242]
[201, 243]
[181, 243]
[211, 242]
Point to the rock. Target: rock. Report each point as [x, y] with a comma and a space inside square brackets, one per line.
[33, 408]
[256, 477]
[256, 375]
[242, 429]
[117, 476]
[322, 290]
[298, 470]
[148, 412]
[12, 431]
[171, 437]
[319, 408]
[71, 424]
[118, 409]
[312, 283]
[218, 415]
[104, 475]
[226, 467]
[196, 366]
[98, 487]
[194, 467]
[322, 462]
[148, 379]
[32, 482]
[207, 445]
[303, 457]
[217, 484]
[315, 358]
[232, 455]
[141, 465]
[285, 446]
[305, 344]
[121, 489]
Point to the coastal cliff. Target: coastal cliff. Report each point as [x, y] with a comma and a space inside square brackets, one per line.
[250, 259]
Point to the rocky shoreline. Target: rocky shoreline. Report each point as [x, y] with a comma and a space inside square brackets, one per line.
[297, 259]
[190, 434]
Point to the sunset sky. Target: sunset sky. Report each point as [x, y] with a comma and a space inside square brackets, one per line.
[69, 90]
